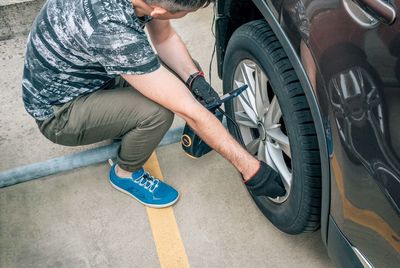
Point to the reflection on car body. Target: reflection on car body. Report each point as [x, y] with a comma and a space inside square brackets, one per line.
[347, 56]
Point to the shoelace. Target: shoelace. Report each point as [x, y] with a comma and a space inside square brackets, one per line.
[148, 182]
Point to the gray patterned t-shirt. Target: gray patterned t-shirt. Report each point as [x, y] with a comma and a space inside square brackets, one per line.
[76, 46]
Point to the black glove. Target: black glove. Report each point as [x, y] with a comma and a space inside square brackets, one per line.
[201, 89]
[266, 182]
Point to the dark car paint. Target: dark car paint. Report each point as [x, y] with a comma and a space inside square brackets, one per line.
[353, 79]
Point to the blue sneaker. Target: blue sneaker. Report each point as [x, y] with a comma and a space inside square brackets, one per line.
[145, 188]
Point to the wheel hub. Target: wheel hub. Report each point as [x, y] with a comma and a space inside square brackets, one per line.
[261, 131]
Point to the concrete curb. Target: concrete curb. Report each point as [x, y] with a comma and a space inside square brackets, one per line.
[73, 161]
[17, 16]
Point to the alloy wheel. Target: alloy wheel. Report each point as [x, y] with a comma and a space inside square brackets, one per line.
[259, 116]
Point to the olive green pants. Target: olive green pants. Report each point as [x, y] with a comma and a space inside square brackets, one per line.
[107, 114]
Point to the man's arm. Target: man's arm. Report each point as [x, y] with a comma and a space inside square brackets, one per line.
[164, 88]
[167, 90]
[171, 48]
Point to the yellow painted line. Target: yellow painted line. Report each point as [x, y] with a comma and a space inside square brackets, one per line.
[170, 249]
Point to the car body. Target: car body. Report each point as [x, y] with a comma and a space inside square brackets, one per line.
[346, 55]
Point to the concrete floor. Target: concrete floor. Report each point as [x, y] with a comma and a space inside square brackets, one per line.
[75, 219]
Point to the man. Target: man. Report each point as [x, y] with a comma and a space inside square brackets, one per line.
[76, 50]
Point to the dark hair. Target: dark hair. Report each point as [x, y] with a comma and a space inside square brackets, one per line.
[181, 5]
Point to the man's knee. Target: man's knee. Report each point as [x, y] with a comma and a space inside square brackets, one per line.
[140, 111]
[165, 116]
[156, 116]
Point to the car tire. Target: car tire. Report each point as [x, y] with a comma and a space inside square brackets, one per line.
[255, 42]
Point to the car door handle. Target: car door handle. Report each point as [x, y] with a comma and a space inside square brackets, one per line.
[379, 9]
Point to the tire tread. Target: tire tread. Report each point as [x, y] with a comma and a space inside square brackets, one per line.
[262, 36]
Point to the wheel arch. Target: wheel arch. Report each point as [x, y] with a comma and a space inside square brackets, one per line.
[230, 16]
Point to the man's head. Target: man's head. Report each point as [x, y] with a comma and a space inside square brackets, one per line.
[169, 9]
[175, 6]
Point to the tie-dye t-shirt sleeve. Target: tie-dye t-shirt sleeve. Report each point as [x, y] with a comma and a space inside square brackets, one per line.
[76, 47]
[122, 49]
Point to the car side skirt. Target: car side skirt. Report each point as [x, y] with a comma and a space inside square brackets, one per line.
[340, 249]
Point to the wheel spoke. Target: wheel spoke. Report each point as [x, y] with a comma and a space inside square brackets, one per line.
[247, 74]
[356, 85]
[274, 112]
[373, 98]
[282, 140]
[253, 146]
[262, 152]
[265, 157]
[248, 108]
[260, 90]
[276, 156]
[239, 84]
[242, 118]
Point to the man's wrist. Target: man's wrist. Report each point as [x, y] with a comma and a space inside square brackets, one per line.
[192, 77]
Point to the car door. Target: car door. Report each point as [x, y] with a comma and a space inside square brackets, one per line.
[351, 51]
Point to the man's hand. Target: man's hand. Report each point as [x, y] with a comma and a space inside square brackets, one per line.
[202, 89]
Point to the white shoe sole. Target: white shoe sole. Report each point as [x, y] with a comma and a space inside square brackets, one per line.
[137, 199]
